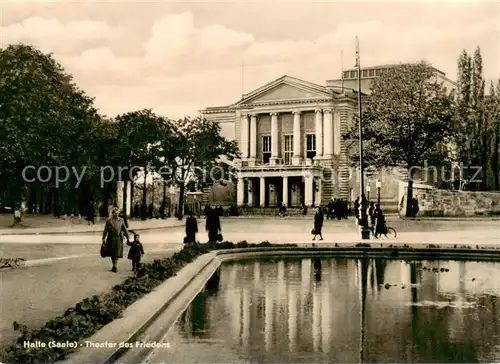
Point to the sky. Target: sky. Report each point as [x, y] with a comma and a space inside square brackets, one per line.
[180, 57]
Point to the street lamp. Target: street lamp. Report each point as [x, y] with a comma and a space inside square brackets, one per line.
[363, 222]
[368, 189]
[379, 186]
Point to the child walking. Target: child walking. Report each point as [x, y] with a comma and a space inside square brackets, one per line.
[135, 253]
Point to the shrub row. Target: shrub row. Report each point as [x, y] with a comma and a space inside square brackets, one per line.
[91, 314]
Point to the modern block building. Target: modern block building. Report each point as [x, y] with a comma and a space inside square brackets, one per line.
[290, 137]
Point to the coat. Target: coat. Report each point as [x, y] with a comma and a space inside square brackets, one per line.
[114, 239]
[319, 218]
[191, 229]
[136, 251]
[213, 222]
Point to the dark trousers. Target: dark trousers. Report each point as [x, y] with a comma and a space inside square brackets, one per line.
[136, 264]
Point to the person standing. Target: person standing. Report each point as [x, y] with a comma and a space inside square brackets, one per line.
[112, 237]
[191, 228]
[135, 253]
[319, 218]
[91, 214]
[213, 225]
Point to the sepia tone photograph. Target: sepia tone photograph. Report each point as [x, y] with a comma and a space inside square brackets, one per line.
[237, 182]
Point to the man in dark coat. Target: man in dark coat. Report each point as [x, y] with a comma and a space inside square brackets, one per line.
[213, 225]
[191, 228]
[319, 218]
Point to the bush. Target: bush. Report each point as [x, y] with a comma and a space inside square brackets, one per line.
[91, 314]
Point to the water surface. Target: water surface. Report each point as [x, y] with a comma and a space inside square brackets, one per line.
[341, 310]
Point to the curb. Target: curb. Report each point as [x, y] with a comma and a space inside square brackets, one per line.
[48, 261]
[126, 338]
[83, 232]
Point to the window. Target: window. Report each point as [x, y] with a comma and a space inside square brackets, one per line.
[365, 73]
[377, 73]
[352, 74]
[372, 73]
[288, 149]
[346, 74]
[310, 146]
[266, 149]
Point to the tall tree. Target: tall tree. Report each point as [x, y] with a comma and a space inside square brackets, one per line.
[406, 117]
[203, 155]
[43, 118]
[138, 133]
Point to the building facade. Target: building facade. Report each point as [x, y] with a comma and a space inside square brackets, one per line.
[290, 134]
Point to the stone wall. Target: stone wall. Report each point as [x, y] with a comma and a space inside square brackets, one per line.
[436, 202]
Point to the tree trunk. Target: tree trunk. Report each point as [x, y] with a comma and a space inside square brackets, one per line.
[180, 208]
[144, 207]
[495, 160]
[409, 195]
[125, 203]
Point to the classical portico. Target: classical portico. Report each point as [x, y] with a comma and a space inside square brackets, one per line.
[289, 133]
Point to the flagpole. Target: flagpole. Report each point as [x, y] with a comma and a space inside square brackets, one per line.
[242, 78]
[365, 231]
[342, 69]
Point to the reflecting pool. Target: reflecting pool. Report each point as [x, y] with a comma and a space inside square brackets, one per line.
[341, 310]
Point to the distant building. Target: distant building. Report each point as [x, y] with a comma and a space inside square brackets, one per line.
[368, 74]
[290, 137]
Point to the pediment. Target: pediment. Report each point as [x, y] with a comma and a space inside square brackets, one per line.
[284, 89]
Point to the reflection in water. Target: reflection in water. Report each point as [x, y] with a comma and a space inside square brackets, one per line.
[340, 310]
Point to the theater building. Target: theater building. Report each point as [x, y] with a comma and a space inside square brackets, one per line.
[290, 136]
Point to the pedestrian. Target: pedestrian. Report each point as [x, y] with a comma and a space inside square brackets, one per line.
[319, 218]
[136, 252]
[380, 224]
[112, 237]
[91, 214]
[191, 228]
[213, 225]
[282, 209]
[415, 207]
[356, 208]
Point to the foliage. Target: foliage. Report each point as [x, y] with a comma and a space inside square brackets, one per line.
[91, 314]
[407, 119]
[476, 132]
[406, 116]
[37, 98]
[203, 155]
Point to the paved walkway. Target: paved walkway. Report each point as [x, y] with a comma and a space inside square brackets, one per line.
[67, 268]
[36, 294]
[83, 228]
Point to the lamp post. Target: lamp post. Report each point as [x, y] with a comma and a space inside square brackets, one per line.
[363, 222]
[368, 189]
[379, 186]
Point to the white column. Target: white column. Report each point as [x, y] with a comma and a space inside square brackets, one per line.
[129, 198]
[319, 133]
[336, 132]
[297, 140]
[253, 137]
[262, 191]
[244, 136]
[285, 191]
[308, 193]
[318, 192]
[250, 192]
[240, 191]
[119, 194]
[274, 139]
[327, 133]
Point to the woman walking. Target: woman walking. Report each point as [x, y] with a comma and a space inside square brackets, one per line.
[319, 217]
[191, 228]
[112, 237]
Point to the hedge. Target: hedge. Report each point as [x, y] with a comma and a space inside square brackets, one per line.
[91, 314]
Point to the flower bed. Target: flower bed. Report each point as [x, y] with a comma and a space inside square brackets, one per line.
[91, 314]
